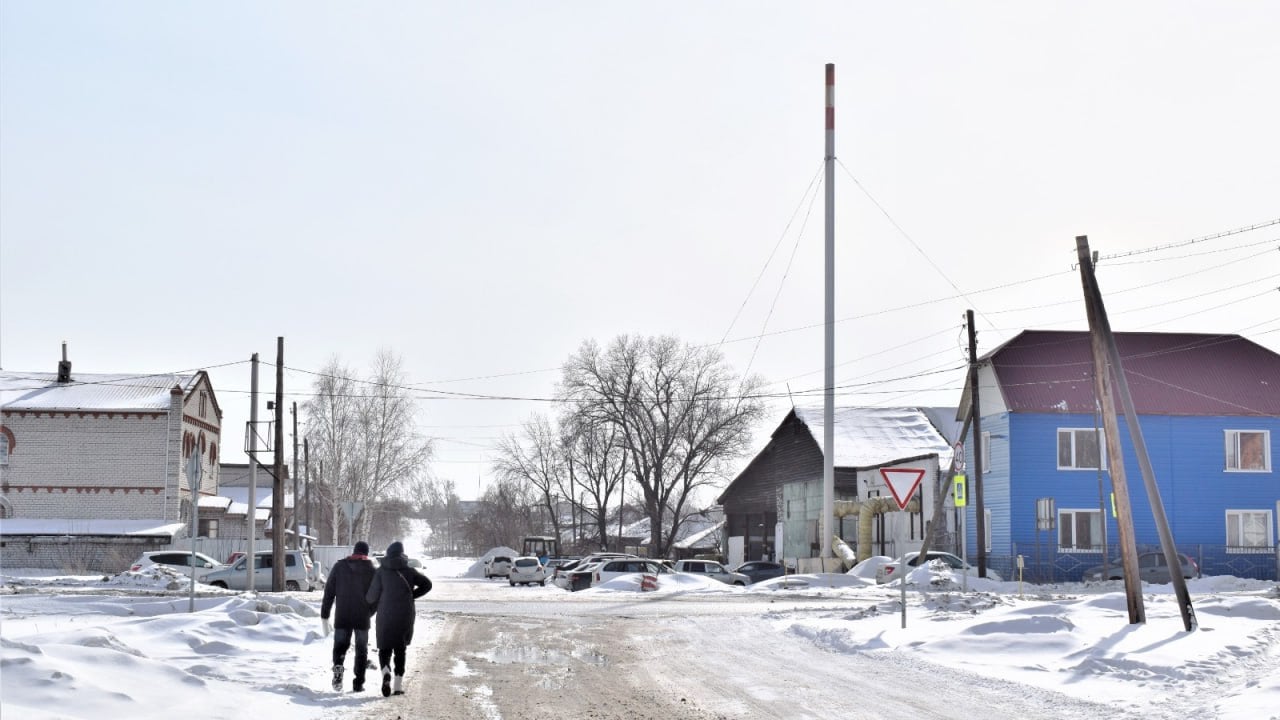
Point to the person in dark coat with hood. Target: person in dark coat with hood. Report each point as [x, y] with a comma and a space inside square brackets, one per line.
[348, 586]
[395, 587]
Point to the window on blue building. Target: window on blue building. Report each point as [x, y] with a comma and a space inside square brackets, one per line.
[1248, 530]
[1249, 450]
[1080, 530]
[1080, 449]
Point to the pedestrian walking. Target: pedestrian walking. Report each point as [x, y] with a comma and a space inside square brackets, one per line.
[395, 587]
[348, 588]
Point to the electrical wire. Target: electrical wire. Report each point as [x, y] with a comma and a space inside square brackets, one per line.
[1184, 243]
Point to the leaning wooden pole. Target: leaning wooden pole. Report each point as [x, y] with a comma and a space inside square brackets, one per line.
[1094, 298]
[1115, 453]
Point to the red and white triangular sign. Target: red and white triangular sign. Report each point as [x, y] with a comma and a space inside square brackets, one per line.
[902, 483]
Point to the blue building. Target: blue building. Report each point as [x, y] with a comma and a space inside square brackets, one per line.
[1208, 406]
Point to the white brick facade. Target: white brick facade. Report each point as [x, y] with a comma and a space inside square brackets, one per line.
[102, 448]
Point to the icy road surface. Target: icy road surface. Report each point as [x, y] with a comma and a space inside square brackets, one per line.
[494, 652]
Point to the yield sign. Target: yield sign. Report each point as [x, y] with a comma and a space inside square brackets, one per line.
[902, 483]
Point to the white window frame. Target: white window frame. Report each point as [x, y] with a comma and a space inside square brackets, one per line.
[1064, 522]
[1236, 545]
[1232, 451]
[1057, 450]
[984, 451]
[986, 527]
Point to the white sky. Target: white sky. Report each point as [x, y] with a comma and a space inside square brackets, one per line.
[80, 648]
[481, 189]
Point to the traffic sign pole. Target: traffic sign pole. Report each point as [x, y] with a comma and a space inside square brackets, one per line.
[194, 472]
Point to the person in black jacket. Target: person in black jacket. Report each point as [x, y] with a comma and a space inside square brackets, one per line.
[395, 587]
[348, 584]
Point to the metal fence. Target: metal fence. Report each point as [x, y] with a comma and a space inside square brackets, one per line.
[1045, 563]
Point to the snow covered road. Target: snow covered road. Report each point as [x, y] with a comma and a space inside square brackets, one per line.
[523, 653]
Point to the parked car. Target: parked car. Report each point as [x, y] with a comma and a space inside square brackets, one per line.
[1152, 568]
[527, 570]
[180, 560]
[887, 572]
[757, 570]
[377, 557]
[497, 566]
[299, 573]
[607, 570]
[711, 569]
[553, 564]
[560, 578]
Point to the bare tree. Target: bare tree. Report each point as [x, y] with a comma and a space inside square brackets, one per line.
[391, 450]
[365, 437]
[597, 463]
[538, 459]
[332, 429]
[680, 412]
[506, 514]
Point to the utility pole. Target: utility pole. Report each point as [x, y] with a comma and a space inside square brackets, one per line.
[251, 515]
[277, 495]
[293, 473]
[1106, 339]
[829, 327]
[1115, 462]
[306, 463]
[980, 527]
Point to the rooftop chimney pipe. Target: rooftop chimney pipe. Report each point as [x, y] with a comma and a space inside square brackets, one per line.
[64, 366]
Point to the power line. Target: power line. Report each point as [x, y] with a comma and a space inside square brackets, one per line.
[773, 252]
[1184, 243]
[909, 239]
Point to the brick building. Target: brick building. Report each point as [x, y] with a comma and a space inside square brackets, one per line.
[92, 465]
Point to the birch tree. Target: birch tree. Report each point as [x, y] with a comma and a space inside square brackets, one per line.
[332, 430]
[365, 435]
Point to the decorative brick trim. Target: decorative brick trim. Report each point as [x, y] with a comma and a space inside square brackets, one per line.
[201, 424]
[86, 490]
[95, 414]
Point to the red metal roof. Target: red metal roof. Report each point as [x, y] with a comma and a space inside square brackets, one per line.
[1168, 373]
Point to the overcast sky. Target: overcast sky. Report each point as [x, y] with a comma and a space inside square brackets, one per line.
[481, 188]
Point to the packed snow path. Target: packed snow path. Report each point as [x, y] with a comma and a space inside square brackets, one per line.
[493, 652]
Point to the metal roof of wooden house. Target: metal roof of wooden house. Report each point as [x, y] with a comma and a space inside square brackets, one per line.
[1167, 373]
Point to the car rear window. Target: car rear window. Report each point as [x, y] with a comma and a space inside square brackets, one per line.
[527, 562]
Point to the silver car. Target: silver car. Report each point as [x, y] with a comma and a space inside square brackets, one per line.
[179, 560]
[298, 573]
[712, 569]
[1152, 568]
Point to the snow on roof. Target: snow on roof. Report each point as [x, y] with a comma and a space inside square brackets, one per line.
[240, 508]
[216, 502]
[695, 539]
[64, 526]
[240, 495]
[42, 391]
[868, 437]
[694, 529]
